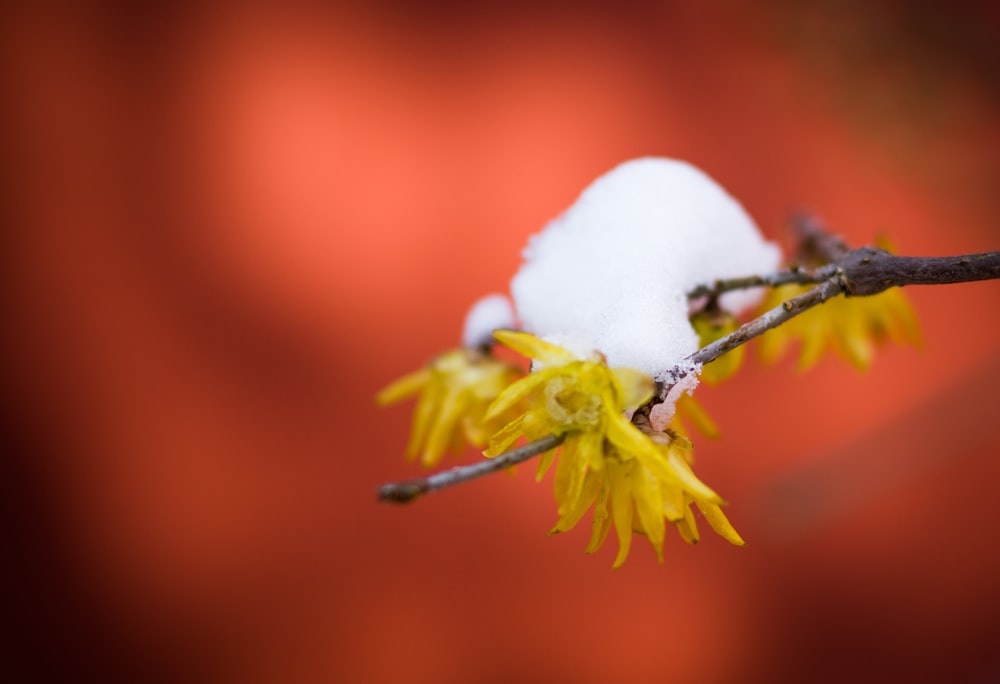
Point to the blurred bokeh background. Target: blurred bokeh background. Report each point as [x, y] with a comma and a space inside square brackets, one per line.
[228, 225]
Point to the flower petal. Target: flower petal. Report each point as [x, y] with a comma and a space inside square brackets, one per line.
[634, 388]
[602, 517]
[621, 512]
[692, 484]
[904, 326]
[711, 327]
[688, 527]
[506, 436]
[720, 523]
[404, 387]
[673, 502]
[544, 463]
[423, 416]
[517, 391]
[591, 448]
[591, 487]
[533, 347]
[628, 439]
[773, 344]
[442, 429]
[857, 326]
[649, 507]
[570, 473]
[814, 341]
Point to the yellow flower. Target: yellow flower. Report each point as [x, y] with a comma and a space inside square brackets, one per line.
[455, 390]
[636, 498]
[634, 479]
[852, 326]
[566, 394]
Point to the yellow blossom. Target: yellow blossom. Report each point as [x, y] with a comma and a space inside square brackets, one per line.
[852, 326]
[454, 391]
[635, 480]
[636, 499]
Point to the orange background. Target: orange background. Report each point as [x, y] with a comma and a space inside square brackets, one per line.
[230, 227]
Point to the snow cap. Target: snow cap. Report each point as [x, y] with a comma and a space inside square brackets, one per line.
[612, 272]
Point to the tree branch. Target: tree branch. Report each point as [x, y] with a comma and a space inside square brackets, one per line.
[860, 272]
[793, 275]
[870, 270]
[405, 492]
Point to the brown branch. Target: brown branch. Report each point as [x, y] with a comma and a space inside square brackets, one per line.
[860, 272]
[404, 492]
[870, 270]
[791, 276]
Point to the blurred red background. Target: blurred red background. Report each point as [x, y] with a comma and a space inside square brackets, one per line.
[230, 227]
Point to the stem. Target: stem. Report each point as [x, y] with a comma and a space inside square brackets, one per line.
[793, 275]
[870, 270]
[404, 492]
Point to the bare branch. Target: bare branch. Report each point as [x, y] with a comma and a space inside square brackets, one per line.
[870, 270]
[404, 492]
[860, 272]
[790, 276]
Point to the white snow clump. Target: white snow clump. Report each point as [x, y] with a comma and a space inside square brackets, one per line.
[489, 313]
[613, 271]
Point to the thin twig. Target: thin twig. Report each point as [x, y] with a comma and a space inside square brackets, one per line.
[860, 272]
[870, 270]
[404, 492]
[787, 277]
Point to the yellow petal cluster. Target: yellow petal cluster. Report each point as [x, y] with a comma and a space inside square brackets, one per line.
[454, 391]
[635, 480]
[853, 327]
[635, 497]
